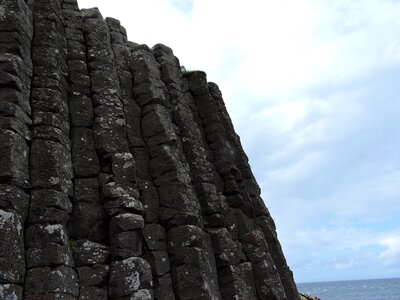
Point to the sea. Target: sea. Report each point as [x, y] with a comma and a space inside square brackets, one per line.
[374, 289]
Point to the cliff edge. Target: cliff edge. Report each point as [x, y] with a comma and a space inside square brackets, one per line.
[121, 177]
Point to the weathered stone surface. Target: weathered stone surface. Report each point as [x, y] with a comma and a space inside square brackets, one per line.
[150, 199]
[90, 253]
[155, 237]
[13, 156]
[15, 125]
[60, 282]
[163, 287]
[121, 175]
[157, 126]
[86, 190]
[49, 206]
[92, 292]
[96, 275]
[126, 222]
[10, 292]
[84, 156]
[12, 264]
[179, 204]
[123, 167]
[14, 199]
[51, 166]
[192, 264]
[128, 276]
[81, 111]
[88, 220]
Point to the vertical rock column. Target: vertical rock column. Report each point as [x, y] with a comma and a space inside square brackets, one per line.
[130, 275]
[88, 226]
[189, 247]
[263, 218]
[234, 282]
[16, 32]
[48, 256]
[154, 248]
[240, 217]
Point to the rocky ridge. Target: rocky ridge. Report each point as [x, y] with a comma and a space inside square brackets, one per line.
[121, 177]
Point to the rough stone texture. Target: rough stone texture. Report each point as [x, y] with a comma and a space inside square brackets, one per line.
[121, 176]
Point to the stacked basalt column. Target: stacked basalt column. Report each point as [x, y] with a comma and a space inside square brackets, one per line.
[50, 267]
[241, 215]
[192, 263]
[15, 80]
[154, 248]
[88, 226]
[234, 280]
[262, 216]
[130, 275]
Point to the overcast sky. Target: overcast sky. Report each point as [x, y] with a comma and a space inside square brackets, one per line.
[313, 89]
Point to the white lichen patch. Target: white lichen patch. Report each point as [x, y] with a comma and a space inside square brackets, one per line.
[120, 122]
[5, 292]
[6, 217]
[128, 164]
[133, 281]
[54, 180]
[2, 12]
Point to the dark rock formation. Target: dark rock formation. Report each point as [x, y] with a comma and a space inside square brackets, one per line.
[121, 176]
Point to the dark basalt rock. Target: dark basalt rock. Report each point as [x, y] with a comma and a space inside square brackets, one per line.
[121, 175]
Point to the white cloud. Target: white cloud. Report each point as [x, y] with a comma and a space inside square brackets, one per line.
[391, 255]
[347, 265]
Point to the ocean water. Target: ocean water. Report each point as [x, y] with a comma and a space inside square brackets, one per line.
[376, 289]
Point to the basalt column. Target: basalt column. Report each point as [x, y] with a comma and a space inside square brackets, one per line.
[121, 175]
[241, 215]
[16, 31]
[50, 267]
[130, 274]
[262, 216]
[88, 225]
[189, 247]
[234, 280]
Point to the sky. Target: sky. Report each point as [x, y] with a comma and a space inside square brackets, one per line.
[313, 89]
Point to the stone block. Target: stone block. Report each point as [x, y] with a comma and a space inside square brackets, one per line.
[158, 261]
[51, 283]
[149, 198]
[81, 111]
[13, 156]
[51, 166]
[84, 156]
[49, 206]
[88, 220]
[96, 275]
[15, 125]
[155, 237]
[87, 190]
[51, 119]
[12, 263]
[17, 98]
[93, 292]
[123, 167]
[50, 255]
[126, 222]
[128, 276]
[14, 199]
[126, 244]
[52, 134]
[90, 253]
[157, 126]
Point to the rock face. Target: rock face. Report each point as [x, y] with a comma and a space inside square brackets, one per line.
[121, 177]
